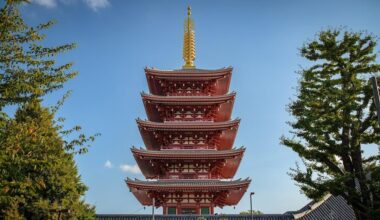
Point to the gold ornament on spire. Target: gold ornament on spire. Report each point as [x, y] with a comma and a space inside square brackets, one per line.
[189, 42]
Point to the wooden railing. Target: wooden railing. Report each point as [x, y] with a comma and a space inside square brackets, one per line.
[194, 217]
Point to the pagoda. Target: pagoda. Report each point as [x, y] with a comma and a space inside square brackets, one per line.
[189, 160]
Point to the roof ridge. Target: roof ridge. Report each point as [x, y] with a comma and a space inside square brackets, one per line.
[147, 68]
[189, 122]
[312, 207]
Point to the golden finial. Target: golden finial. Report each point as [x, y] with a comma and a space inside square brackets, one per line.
[189, 42]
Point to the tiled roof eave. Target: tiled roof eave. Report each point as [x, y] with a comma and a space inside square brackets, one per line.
[149, 125]
[188, 154]
[188, 99]
[170, 185]
[196, 73]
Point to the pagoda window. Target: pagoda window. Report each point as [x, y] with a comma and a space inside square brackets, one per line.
[172, 210]
[205, 210]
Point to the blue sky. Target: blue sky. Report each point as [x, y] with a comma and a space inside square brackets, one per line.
[117, 39]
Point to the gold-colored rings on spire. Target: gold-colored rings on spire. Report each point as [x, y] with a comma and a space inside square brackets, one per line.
[189, 42]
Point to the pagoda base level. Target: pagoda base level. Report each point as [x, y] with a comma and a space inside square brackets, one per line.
[198, 209]
[188, 196]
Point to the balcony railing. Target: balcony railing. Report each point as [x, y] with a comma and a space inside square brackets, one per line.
[194, 217]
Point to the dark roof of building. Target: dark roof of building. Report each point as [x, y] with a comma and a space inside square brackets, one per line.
[329, 208]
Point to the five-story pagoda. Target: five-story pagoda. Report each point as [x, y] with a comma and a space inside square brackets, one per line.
[189, 159]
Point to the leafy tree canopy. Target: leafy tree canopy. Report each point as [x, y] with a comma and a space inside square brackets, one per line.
[334, 117]
[39, 178]
[27, 68]
[38, 175]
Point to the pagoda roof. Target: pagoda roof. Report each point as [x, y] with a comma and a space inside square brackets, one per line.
[160, 80]
[187, 125]
[156, 106]
[225, 132]
[188, 184]
[152, 163]
[229, 192]
[188, 73]
[186, 100]
[187, 154]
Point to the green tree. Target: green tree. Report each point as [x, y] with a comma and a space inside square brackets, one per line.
[27, 68]
[248, 212]
[38, 176]
[39, 179]
[334, 118]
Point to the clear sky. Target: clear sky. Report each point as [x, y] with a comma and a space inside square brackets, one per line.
[117, 39]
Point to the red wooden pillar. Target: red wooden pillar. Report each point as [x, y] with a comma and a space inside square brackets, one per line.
[198, 209]
[179, 209]
[164, 210]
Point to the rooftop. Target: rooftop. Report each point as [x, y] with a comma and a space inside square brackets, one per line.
[198, 154]
[188, 125]
[186, 99]
[154, 70]
[190, 183]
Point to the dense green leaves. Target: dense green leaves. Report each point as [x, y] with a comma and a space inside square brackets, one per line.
[27, 69]
[334, 117]
[38, 175]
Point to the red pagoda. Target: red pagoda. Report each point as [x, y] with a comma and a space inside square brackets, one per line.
[189, 159]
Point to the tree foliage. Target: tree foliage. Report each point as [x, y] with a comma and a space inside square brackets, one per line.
[334, 118]
[39, 178]
[28, 69]
[38, 175]
[248, 212]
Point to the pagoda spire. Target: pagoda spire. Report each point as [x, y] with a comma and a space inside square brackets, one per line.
[189, 42]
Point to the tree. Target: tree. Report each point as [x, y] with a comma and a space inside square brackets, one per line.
[39, 179]
[248, 212]
[334, 118]
[27, 69]
[38, 176]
